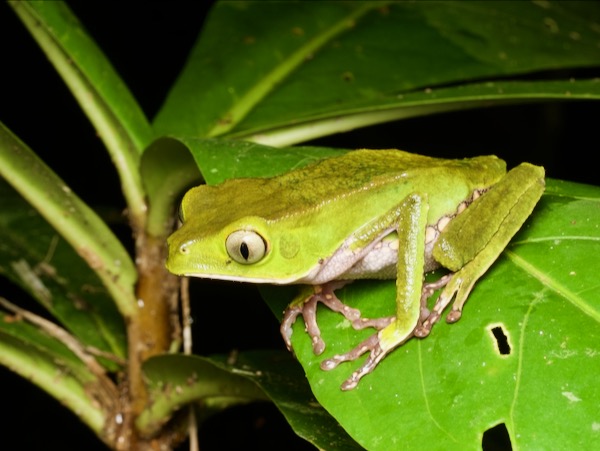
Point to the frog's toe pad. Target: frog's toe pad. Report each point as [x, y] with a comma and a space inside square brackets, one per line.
[453, 316]
[422, 332]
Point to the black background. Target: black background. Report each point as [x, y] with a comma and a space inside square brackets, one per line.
[147, 43]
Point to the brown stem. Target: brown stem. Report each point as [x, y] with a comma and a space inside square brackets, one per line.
[149, 332]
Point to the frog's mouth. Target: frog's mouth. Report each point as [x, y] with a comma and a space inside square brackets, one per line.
[250, 279]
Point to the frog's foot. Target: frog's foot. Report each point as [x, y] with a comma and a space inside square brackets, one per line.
[455, 287]
[307, 307]
[378, 350]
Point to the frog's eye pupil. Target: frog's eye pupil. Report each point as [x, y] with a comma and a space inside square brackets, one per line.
[246, 246]
[244, 251]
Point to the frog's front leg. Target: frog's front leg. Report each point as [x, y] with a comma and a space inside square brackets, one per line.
[411, 224]
[305, 304]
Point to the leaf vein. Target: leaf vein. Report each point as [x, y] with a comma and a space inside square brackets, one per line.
[427, 407]
[554, 285]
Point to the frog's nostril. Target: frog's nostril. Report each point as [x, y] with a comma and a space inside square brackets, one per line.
[183, 249]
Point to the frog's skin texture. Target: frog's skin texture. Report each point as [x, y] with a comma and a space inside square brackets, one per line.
[355, 217]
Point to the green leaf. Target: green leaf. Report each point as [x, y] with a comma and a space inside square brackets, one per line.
[17, 327]
[99, 90]
[214, 158]
[34, 257]
[48, 364]
[235, 73]
[75, 221]
[299, 70]
[167, 168]
[448, 389]
[275, 127]
[257, 375]
[176, 379]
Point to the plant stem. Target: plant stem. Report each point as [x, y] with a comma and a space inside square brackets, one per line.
[150, 331]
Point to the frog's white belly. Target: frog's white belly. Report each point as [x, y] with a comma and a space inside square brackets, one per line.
[377, 261]
[380, 262]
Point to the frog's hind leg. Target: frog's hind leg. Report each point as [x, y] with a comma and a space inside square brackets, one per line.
[472, 242]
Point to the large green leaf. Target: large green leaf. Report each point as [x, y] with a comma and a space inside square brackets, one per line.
[280, 129]
[449, 388]
[368, 62]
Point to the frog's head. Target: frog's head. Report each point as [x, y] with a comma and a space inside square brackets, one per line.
[249, 249]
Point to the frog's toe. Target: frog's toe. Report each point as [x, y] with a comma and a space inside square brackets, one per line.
[308, 310]
[370, 344]
[289, 318]
[328, 297]
[376, 323]
[377, 353]
[309, 313]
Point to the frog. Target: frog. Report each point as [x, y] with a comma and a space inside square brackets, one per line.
[367, 214]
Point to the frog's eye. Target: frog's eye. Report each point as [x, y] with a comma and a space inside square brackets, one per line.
[246, 246]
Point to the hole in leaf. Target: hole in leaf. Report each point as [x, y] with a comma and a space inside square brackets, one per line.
[496, 439]
[501, 340]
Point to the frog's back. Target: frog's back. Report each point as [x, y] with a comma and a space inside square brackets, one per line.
[353, 173]
[368, 169]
